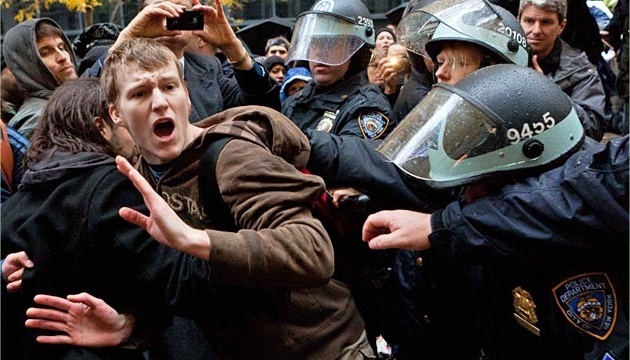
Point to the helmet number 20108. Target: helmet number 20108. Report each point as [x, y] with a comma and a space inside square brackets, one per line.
[512, 34]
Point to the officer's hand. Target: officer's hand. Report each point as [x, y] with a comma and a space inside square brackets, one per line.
[340, 193]
[401, 229]
[13, 269]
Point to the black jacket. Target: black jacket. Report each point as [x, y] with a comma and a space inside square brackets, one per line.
[211, 91]
[579, 79]
[65, 216]
[418, 327]
[415, 89]
[351, 161]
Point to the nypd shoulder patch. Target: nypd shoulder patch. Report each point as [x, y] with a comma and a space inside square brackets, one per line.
[373, 124]
[589, 303]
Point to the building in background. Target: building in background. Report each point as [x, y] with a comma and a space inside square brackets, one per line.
[253, 11]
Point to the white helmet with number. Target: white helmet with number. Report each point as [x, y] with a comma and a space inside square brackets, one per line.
[500, 119]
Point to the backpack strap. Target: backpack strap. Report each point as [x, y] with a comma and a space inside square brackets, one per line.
[218, 212]
[6, 155]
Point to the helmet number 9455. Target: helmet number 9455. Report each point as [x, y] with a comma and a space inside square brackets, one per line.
[516, 135]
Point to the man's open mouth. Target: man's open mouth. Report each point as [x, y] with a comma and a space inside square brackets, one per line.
[164, 128]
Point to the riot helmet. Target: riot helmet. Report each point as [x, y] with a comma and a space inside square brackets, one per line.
[414, 5]
[475, 21]
[331, 32]
[500, 119]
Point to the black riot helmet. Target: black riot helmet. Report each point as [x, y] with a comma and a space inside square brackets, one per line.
[474, 21]
[331, 32]
[500, 119]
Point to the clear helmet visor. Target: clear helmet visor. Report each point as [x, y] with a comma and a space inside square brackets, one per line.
[325, 39]
[472, 20]
[441, 139]
[415, 30]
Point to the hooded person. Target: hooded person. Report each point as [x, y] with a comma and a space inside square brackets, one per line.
[294, 81]
[40, 56]
[384, 38]
[276, 68]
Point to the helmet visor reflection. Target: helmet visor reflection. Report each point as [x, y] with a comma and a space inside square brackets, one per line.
[415, 30]
[325, 39]
[439, 136]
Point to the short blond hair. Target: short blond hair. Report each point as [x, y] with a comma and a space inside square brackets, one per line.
[456, 53]
[147, 54]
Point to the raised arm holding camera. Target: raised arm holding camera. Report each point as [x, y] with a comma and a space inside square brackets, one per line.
[211, 91]
[216, 28]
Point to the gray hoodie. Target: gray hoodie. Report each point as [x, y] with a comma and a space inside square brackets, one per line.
[32, 76]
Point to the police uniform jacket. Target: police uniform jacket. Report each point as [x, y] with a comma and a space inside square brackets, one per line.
[352, 161]
[350, 107]
[411, 312]
[547, 259]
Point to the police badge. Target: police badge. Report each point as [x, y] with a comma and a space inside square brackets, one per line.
[324, 5]
[525, 310]
[589, 303]
[327, 121]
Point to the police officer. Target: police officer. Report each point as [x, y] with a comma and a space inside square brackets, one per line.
[424, 30]
[418, 320]
[543, 240]
[335, 37]
[493, 31]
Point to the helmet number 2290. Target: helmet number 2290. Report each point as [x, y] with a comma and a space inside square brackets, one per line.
[527, 131]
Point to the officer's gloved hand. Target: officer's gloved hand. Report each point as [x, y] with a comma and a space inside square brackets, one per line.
[348, 199]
